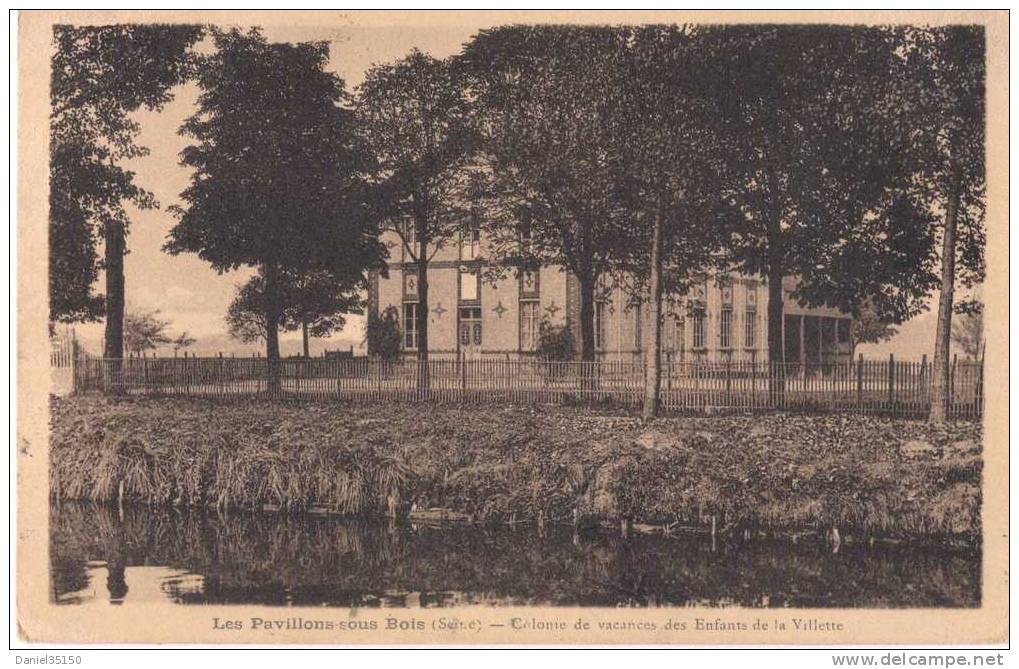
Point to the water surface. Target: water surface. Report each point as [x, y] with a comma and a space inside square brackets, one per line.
[99, 558]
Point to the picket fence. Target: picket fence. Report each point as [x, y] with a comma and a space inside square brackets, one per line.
[887, 387]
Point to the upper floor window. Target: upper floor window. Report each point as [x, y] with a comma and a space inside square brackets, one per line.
[526, 241]
[408, 231]
[470, 242]
[470, 284]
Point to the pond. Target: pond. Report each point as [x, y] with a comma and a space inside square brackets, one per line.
[98, 557]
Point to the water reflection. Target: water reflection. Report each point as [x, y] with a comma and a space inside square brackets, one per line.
[191, 558]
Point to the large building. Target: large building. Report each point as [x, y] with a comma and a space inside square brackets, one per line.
[723, 318]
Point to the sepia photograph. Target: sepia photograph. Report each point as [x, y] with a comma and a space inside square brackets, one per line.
[462, 327]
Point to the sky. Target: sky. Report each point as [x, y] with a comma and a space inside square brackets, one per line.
[194, 298]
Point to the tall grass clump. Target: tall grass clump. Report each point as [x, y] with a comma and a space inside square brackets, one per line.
[507, 464]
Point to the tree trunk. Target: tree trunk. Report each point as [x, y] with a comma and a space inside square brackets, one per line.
[653, 352]
[114, 238]
[588, 371]
[304, 339]
[113, 346]
[939, 388]
[422, 324]
[587, 285]
[272, 319]
[776, 315]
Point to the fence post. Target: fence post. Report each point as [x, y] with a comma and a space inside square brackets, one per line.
[891, 382]
[859, 383]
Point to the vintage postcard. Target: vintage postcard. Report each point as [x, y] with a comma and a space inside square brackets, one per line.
[512, 327]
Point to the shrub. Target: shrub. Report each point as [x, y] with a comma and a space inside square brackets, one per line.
[555, 342]
[382, 334]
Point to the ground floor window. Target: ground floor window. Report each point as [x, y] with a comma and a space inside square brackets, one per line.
[725, 329]
[675, 335]
[529, 323]
[410, 325]
[470, 326]
[638, 321]
[844, 327]
[750, 329]
[600, 307]
[699, 317]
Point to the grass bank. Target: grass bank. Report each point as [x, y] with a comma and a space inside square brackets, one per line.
[861, 474]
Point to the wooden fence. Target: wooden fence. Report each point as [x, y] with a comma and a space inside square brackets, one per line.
[864, 386]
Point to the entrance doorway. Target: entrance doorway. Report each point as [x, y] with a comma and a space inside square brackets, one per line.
[469, 333]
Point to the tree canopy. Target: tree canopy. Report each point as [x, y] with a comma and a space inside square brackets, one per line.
[145, 331]
[821, 179]
[313, 301]
[420, 129]
[100, 75]
[278, 169]
[544, 97]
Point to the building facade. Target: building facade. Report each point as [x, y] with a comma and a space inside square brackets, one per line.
[722, 318]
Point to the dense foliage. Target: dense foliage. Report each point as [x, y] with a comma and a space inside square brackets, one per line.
[276, 171]
[314, 302]
[555, 342]
[420, 129]
[849, 157]
[100, 76]
[383, 336]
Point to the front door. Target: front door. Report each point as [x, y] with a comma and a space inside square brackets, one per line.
[469, 336]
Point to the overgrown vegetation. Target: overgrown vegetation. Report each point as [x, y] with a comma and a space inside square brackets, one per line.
[862, 474]
[382, 334]
[555, 342]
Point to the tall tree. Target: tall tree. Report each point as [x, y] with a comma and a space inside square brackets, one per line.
[277, 172]
[145, 331]
[664, 150]
[821, 168]
[100, 76]
[544, 95]
[417, 119]
[313, 303]
[949, 107]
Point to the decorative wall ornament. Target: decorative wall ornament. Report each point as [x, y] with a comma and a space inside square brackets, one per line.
[529, 284]
[410, 283]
